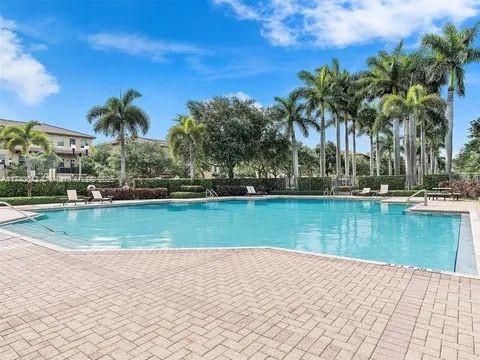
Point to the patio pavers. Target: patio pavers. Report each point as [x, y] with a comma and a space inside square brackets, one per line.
[228, 304]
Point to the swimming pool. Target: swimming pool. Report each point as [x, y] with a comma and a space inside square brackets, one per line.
[358, 229]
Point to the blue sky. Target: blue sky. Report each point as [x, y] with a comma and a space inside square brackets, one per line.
[59, 58]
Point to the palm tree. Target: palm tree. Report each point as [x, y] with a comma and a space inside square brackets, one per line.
[24, 137]
[316, 92]
[336, 104]
[292, 115]
[389, 73]
[414, 106]
[119, 117]
[367, 118]
[452, 50]
[186, 138]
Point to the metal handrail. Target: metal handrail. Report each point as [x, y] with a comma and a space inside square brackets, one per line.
[418, 192]
[211, 193]
[29, 217]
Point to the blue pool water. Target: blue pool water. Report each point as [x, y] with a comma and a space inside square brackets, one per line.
[359, 229]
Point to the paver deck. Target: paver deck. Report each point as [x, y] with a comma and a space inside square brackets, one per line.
[228, 304]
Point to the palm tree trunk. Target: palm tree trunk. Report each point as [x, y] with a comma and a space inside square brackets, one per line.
[432, 161]
[389, 162]
[423, 163]
[295, 161]
[191, 161]
[123, 176]
[406, 139]
[354, 145]
[322, 145]
[413, 151]
[449, 136]
[396, 145]
[337, 147]
[347, 150]
[377, 153]
[28, 166]
[372, 171]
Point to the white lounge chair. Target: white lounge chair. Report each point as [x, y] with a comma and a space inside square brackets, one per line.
[251, 192]
[97, 196]
[73, 197]
[364, 191]
[383, 190]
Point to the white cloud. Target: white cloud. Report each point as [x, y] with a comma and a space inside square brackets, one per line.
[20, 72]
[346, 22]
[137, 45]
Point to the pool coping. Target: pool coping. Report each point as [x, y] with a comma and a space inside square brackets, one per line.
[473, 214]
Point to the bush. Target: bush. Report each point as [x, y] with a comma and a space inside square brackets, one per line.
[48, 188]
[174, 185]
[396, 182]
[297, 192]
[433, 181]
[34, 200]
[231, 190]
[186, 195]
[135, 194]
[192, 188]
[469, 189]
[266, 185]
[314, 183]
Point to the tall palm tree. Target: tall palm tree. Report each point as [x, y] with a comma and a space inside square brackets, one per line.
[292, 115]
[367, 118]
[389, 73]
[185, 138]
[119, 117]
[453, 49]
[336, 104]
[23, 138]
[414, 106]
[316, 92]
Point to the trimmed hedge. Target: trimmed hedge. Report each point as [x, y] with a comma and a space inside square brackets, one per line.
[433, 181]
[374, 182]
[34, 200]
[314, 183]
[48, 188]
[135, 194]
[178, 185]
[186, 195]
[192, 188]
[231, 190]
[297, 192]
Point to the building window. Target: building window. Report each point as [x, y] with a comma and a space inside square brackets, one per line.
[84, 142]
[72, 142]
[2, 159]
[61, 143]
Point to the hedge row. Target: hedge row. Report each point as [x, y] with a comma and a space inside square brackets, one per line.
[374, 182]
[48, 188]
[179, 185]
[433, 181]
[314, 184]
[135, 194]
[186, 195]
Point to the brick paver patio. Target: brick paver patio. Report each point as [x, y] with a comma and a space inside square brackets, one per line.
[228, 304]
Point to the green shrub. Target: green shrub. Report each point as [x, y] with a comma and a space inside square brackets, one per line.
[192, 188]
[49, 188]
[135, 194]
[34, 200]
[374, 182]
[173, 185]
[434, 180]
[231, 190]
[267, 185]
[314, 183]
[297, 192]
[186, 195]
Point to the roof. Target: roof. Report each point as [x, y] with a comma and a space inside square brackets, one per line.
[47, 128]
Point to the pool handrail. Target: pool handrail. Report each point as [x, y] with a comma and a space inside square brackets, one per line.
[210, 193]
[415, 194]
[29, 217]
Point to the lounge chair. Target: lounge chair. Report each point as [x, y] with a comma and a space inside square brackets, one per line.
[73, 197]
[97, 196]
[383, 190]
[251, 192]
[364, 191]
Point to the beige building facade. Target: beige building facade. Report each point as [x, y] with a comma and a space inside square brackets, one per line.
[67, 144]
